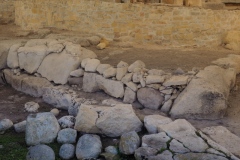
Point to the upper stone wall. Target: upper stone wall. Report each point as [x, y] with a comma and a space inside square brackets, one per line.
[176, 25]
[6, 11]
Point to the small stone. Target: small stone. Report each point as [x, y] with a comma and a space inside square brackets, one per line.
[31, 107]
[110, 102]
[132, 86]
[129, 96]
[67, 151]
[94, 40]
[167, 91]
[84, 62]
[176, 81]
[122, 64]
[77, 73]
[167, 106]
[127, 78]
[149, 98]
[20, 127]
[110, 72]
[88, 146]
[5, 124]
[178, 71]
[111, 149]
[144, 152]
[121, 72]
[67, 121]
[156, 141]
[40, 152]
[67, 135]
[92, 65]
[136, 64]
[55, 112]
[129, 142]
[154, 79]
[102, 67]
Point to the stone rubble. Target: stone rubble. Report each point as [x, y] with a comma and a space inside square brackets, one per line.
[179, 94]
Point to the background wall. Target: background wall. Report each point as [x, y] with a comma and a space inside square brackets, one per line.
[6, 11]
[134, 22]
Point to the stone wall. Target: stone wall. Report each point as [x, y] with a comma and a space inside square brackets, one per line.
[172, 25]
[6, 11]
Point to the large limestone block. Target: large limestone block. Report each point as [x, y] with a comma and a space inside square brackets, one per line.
[206, 96]
[232, 40]
[111, 87]
[35, 86]
[30, 58]
[13, 80]
[5, 46]
[224, 137]
[58, 66]
[12, 59]
[41, 128]
[150, 98]
[111, 121]
[90, 82]
[185, 133]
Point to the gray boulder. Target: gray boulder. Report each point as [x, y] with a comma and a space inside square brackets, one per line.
[150, 98]
[206, 96]
[129, 96]
[156, 141]
[67, 151]
[67, 121]
[88, 146]
[40, 152]
[143, 153]
[90, 82]
[67, 135]
[152, 122]
[102, 67]
[77, 73]
[129, 142]
[20, 127]
[111, 121]
[224, 137]
[136, 64]
[185, 133]
[41, 128]
[111, 149]
[5, 124]
[91, 65]
[111, 87]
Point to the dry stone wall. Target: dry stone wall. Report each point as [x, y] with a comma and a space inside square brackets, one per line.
[6, 11]
[177, 25]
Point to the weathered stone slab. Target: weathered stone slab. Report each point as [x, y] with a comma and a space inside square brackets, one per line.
[206, 96]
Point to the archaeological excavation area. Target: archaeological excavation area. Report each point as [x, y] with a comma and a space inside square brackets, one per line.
[119, 80]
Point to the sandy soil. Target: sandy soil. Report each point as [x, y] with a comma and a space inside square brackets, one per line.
[154, 56]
